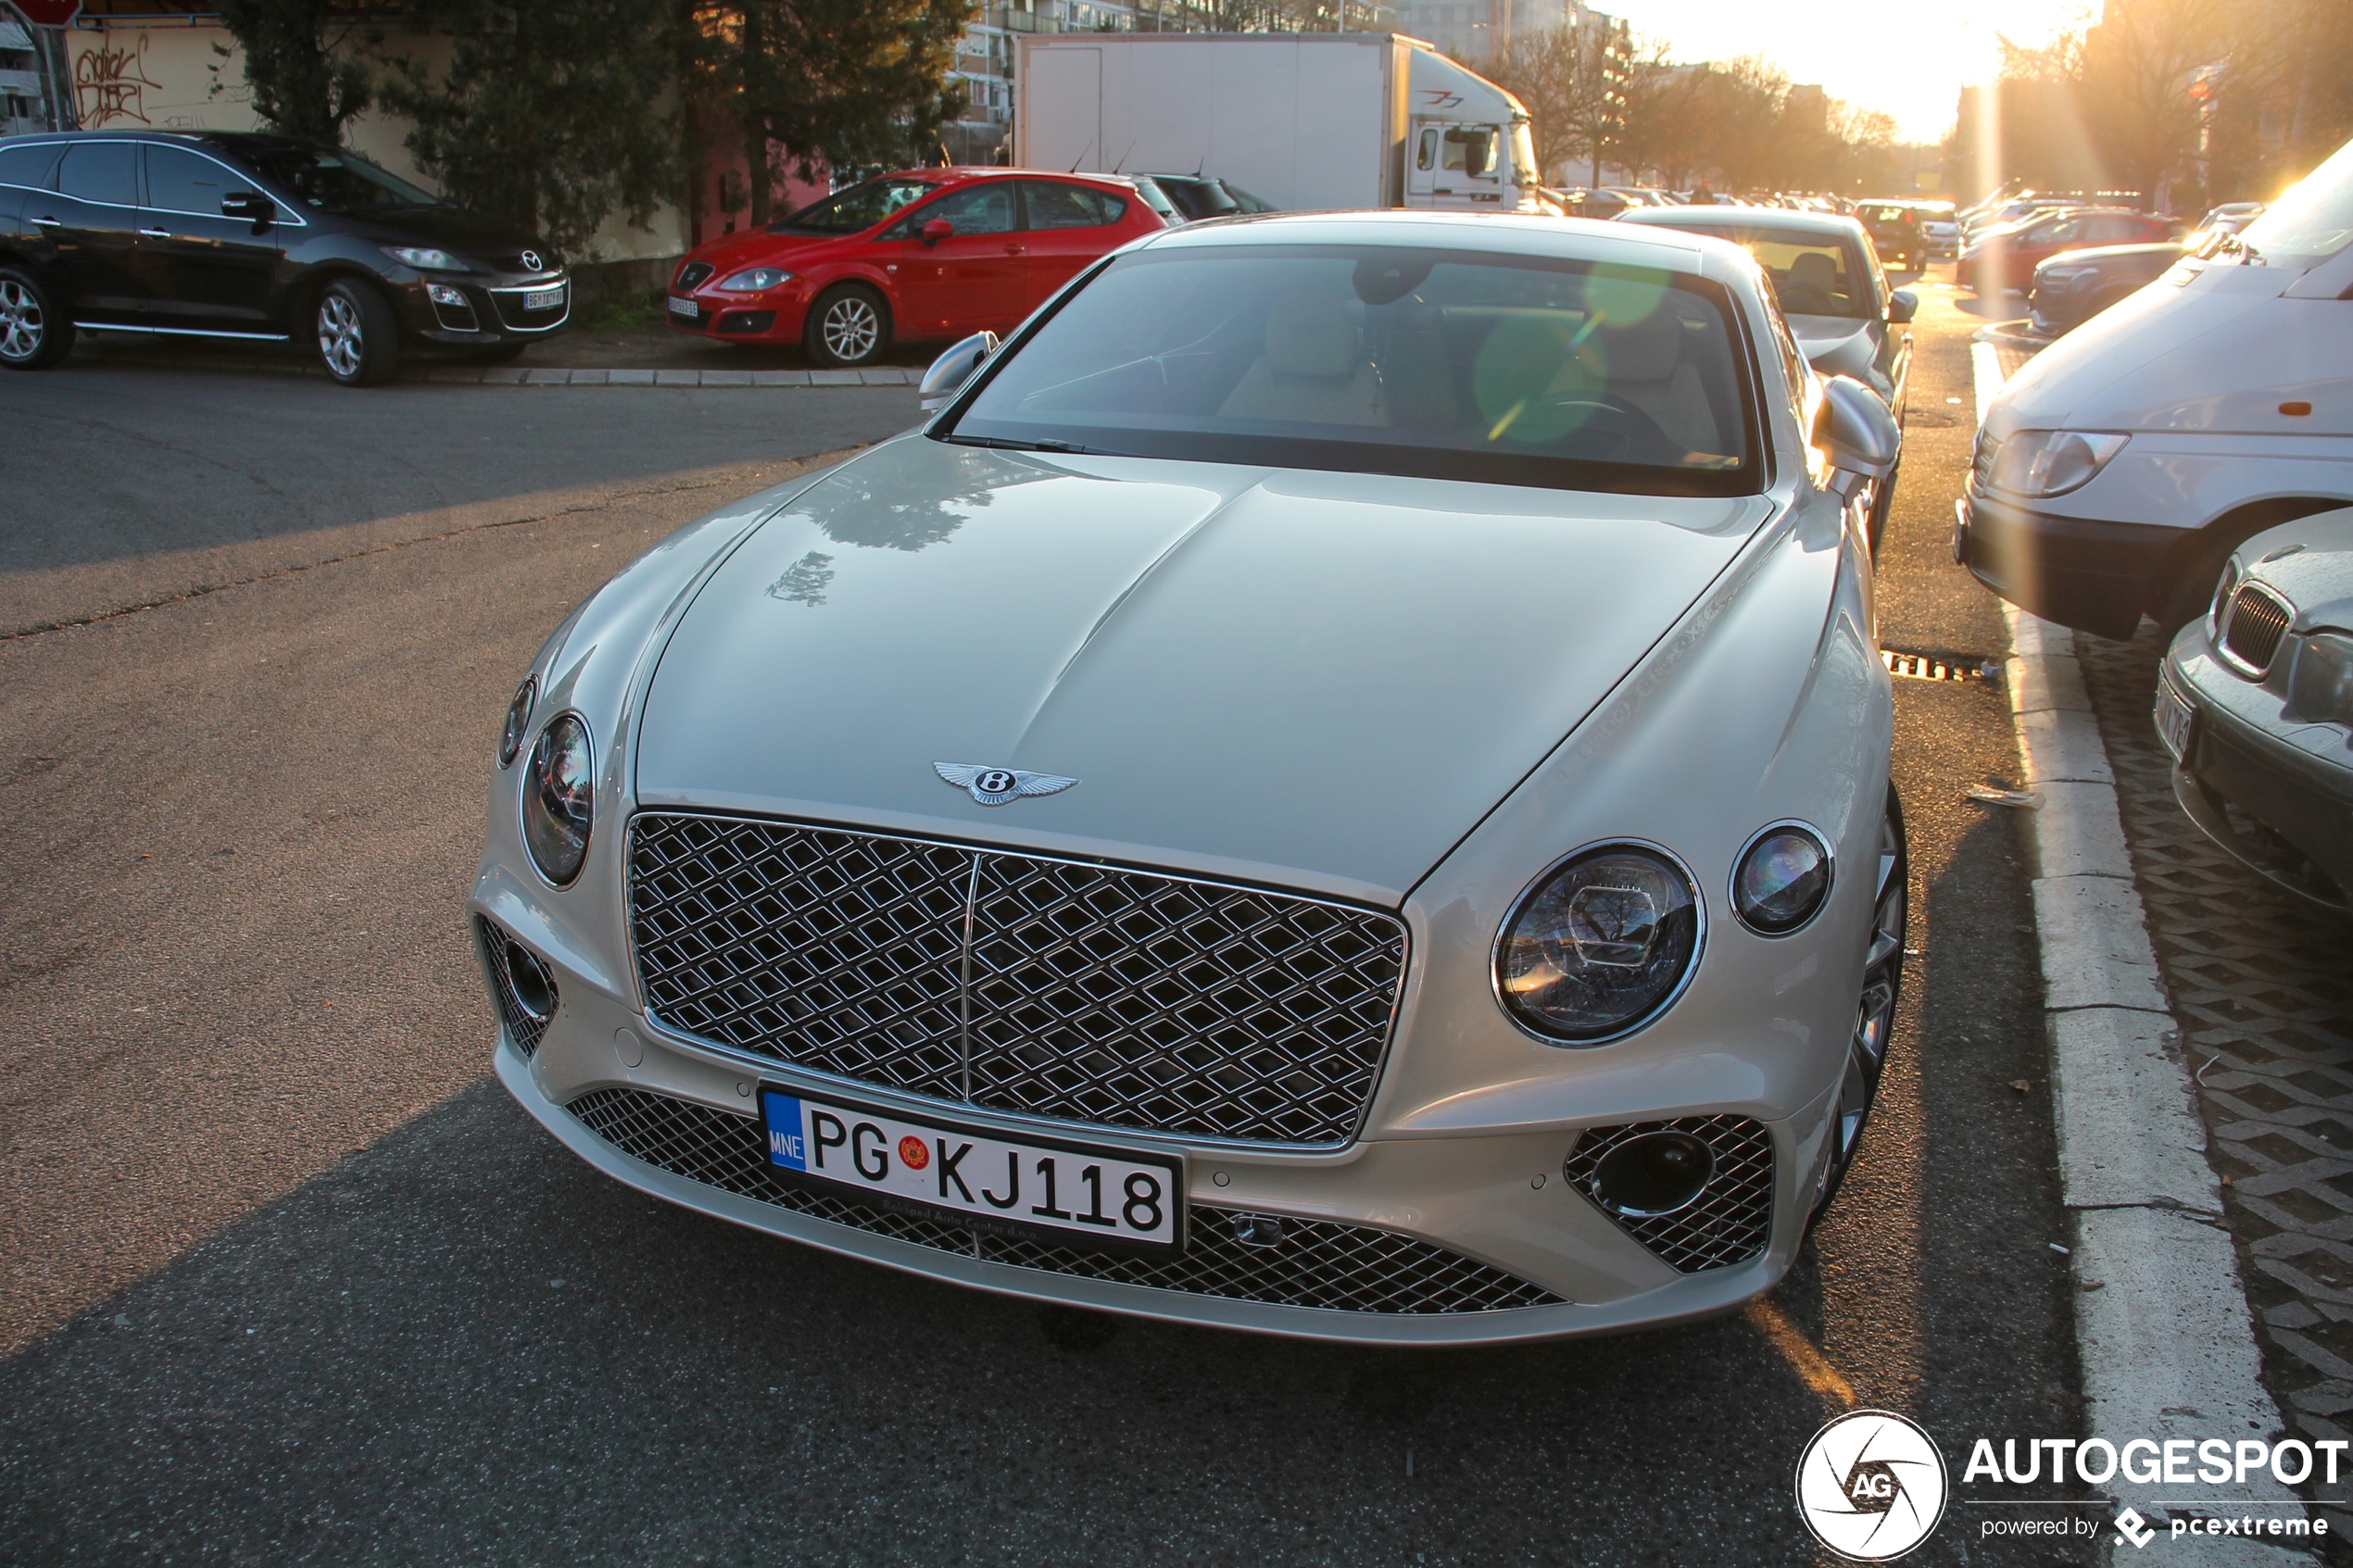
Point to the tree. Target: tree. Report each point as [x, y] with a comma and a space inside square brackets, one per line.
[832, 82]
[299, 62]
[552, 114]
[1573, 82]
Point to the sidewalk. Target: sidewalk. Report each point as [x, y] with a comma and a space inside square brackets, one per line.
[579, 357]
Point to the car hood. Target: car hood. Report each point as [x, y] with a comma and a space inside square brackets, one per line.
[756, 245]
[2312, 563]
[1314, 678]
[453, 228]
[2152, 258]
[1836, 346]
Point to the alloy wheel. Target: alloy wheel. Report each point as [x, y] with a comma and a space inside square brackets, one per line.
[22, 328]
[850, 328]
[342, 344]
[1875, 1010]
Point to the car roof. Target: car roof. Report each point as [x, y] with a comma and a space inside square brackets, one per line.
[1569, 238]
[1752, 219]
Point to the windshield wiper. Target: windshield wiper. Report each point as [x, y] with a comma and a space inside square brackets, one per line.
[1004, 445]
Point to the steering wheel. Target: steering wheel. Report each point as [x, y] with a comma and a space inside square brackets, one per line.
[1635, 427]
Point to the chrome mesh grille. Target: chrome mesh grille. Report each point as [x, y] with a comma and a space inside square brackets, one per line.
[1016, 982]
[1315, 1264]
[523, 1028]
[2258, 620]
[1733, 1218]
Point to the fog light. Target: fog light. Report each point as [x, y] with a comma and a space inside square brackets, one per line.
[1655, 1174]
[1781, 879]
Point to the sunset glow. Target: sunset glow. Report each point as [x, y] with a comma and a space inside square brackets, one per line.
[1909, 62]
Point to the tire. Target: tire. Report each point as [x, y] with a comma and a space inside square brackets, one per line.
[34, 334]
[358, 336]
[849, 326]
[1875, 1009]
[1883, 502]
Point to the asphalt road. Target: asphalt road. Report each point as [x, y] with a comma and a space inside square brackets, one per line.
[284, 1277]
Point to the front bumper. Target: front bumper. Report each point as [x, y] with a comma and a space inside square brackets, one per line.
[773, 317]
[475, 312]
[2096, 576]
[2233, 759]
[1401, 1204]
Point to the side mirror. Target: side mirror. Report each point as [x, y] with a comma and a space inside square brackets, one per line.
[248, 204]
[952, 370]
[1855, 431]
[936, 230]
[1901, 306]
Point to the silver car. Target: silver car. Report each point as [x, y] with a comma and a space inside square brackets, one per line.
[2255, 702]
[1338, 787]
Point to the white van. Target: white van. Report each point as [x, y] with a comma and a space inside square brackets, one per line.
[2118, 470]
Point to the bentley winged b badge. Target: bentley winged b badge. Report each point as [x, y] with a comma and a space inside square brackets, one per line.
[994, 786]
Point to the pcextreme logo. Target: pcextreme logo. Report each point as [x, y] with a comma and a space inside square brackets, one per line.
[1872, 1485]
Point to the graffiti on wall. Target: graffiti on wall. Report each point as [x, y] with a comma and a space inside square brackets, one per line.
[112, 84]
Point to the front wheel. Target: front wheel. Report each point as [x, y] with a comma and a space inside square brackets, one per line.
[1875, 1010]
[358, 336]
[1883, 502]
[849, 326]
[33, 334]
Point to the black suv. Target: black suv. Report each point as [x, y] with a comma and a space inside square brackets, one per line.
[256, 237]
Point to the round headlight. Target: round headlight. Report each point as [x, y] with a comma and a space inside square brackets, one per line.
[559, 797]
[1781, 879]
[1601, 945]
[518, 722]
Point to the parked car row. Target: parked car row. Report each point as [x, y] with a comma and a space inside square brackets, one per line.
[2187, 454]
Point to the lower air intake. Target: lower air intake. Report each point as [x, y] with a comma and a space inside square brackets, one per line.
[1731, 1220]
[1238, 1256]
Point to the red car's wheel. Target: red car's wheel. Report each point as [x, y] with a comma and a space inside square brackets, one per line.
[849, 326]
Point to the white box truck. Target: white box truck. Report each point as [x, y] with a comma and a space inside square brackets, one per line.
[1307, 120]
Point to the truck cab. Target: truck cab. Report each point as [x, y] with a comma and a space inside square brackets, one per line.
[1467, 141]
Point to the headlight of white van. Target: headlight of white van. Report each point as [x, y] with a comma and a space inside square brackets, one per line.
[2052, 462]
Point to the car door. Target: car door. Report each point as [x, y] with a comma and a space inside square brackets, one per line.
[976, 278]
[27, 171]
[202, 269]
[91, 221]
[1068, 226]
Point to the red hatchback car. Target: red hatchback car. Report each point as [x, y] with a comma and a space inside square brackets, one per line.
[2004, 259]
[936, 253]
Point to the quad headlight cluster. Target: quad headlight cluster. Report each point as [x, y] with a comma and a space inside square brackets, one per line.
[558, 786]
[1607, 940]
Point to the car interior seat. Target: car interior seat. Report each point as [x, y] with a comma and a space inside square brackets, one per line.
[1314, 369]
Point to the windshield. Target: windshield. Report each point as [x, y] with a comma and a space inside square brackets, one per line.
[1460, 365]
[1810, 275]
[855, 210]
[334, 182]
[2311, 222]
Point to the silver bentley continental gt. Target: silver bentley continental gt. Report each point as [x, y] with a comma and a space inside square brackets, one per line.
[1338, 787]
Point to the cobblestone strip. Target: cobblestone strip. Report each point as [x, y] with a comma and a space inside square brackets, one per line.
[2264, 993]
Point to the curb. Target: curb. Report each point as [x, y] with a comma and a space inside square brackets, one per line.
[2162, 1329]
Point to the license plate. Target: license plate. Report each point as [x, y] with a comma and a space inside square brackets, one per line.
[542, 300]
[1112, 1198]
[2174, 717]
[686, 308]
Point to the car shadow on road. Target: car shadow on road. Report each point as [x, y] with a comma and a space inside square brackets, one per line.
[462, 1340]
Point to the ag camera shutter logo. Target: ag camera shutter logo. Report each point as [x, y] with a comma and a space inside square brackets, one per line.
[1872, 1485]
